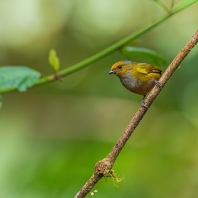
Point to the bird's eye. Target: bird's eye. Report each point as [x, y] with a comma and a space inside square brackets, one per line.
[120, 66]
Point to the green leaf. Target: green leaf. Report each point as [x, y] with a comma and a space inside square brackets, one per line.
[20, 77]
[153, 57]
[1, 100]
[54, 60]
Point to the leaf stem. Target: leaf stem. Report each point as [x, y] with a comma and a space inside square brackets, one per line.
[162, 5]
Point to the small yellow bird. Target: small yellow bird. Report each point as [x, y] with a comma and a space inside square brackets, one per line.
[138, 78]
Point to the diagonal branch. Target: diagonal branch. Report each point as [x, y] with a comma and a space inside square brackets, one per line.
[104, 167]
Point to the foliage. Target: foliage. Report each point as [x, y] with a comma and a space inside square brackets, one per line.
[54, 60]
[19, 77]
[153, 57]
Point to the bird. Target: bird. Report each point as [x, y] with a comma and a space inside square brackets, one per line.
[138, 78]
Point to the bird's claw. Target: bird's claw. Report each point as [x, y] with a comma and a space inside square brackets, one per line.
[144, 105]
[157, 83]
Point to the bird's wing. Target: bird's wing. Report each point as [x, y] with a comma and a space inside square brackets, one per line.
[145, 68]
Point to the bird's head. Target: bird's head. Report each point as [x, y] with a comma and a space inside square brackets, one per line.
[121, 68]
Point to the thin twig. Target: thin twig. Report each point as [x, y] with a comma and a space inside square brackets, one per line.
[162, 5]
[104, 166]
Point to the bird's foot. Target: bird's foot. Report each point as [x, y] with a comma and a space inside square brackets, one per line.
[157, 83]
[144, 105]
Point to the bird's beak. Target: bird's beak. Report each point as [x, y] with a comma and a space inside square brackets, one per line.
[112, 72]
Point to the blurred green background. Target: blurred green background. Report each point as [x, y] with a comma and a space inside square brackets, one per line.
[52, 136]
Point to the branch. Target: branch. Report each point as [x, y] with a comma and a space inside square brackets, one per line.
[104, 167]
